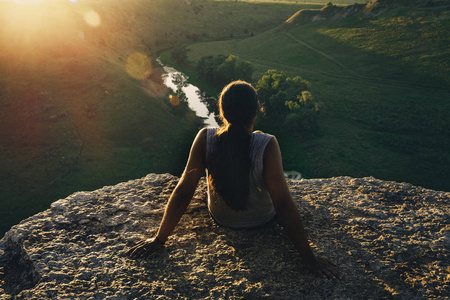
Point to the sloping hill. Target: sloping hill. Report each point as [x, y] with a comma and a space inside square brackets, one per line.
[71, 115]
[383, 84]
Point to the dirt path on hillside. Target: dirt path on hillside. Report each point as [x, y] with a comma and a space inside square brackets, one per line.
[330, 58]
[352, 75]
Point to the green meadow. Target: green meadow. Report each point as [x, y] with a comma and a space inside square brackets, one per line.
[79, 110]
[383, 85]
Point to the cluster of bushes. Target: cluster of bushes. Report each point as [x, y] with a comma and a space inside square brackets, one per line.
[179, 54]
[287, 102]
[222, 69]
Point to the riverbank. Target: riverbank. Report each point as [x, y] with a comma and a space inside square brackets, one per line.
[181, 83]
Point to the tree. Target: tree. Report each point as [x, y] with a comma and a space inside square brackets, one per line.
[222, 69]
[287, 102]
[226, 70]
[179, 54]
[207, 66]
[304, 113]
[244, 70]
[273, 92]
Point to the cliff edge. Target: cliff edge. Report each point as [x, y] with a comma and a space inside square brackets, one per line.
[391, 240]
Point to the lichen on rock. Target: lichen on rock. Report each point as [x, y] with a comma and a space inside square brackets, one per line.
[390, 240]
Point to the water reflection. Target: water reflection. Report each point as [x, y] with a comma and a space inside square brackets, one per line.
[204, 106]
[210, 103]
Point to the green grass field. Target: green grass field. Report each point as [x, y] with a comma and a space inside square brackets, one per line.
[321, 2]
[73, 119]
[384, 90]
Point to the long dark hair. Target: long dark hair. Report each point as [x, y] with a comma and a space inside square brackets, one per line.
[230, 165]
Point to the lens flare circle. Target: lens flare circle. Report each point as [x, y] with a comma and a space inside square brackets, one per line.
[92, 18]
[174, 100]
[138, 65]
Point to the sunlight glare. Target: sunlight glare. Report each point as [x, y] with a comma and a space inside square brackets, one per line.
[26, 1]
[138, 65]
[28, 26]
[92, 18]
[174, 100]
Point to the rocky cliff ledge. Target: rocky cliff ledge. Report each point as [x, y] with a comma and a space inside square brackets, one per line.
[391, 240]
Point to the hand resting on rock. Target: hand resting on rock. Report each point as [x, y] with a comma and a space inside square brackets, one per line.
[145, 247]
[245, 173]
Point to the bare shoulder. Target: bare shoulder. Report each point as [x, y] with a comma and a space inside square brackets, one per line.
[201, 136]
[202, 133]
[199, 144]
[261, 132]
[273, 171]
[272, 148]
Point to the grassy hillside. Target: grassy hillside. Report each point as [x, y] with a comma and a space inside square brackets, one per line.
[384, 88]
[82, 106]
[71, 116]
[81, 102]
[321, 2]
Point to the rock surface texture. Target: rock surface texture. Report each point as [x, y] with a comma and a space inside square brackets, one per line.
[390, 240]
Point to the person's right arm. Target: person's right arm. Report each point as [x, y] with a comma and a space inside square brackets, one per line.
[287, 212]
[179, 200]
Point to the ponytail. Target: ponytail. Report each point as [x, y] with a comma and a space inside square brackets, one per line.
[230, 165]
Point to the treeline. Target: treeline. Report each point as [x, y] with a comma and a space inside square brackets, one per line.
[287, 102]
[222, 69]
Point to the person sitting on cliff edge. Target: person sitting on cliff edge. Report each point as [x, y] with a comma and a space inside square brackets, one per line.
[246, 183]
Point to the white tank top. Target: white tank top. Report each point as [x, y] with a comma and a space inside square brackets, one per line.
[259, 206]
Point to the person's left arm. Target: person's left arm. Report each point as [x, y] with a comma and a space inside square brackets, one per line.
[179, 200]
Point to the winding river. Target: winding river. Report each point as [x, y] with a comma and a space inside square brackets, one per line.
[176, 80]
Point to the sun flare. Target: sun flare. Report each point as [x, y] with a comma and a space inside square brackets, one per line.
[26, 1]
[92, 18]
[37, 20]
[28, 25]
